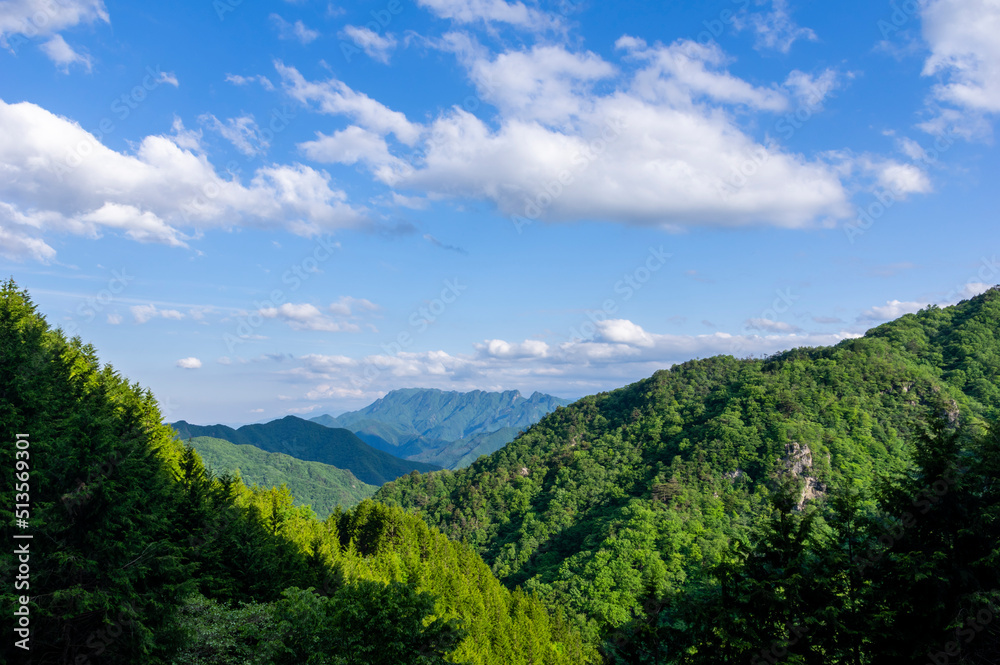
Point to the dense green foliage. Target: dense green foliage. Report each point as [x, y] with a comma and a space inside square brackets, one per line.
[450, 429]
[140, 555]
[912, 579]
[624, 499]
[320, 486]
[315, 443]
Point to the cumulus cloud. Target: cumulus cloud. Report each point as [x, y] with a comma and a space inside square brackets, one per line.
[965, 54]
[21, 20]
[63, 54]
[377, 47]
[577, 137]
[352, 145]
[189, 363]
[58, 178]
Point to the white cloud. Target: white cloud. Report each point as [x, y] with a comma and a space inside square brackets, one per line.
[965, 59]
[893, 309]
[305, 316]
[492, 11]
[548, 84]
[498, 348]
[170, 78]
[335, 97]
[296, 31]
[242, 132]
[59, 178]
[661, 149]
[189, 363]
[377, 47]
[903, 178]
[623, 331]
[63, 54]
[658, 140]
[911, 149]
[774, 30]
[40, 18]
[236, 79]
[812, 91]
[145, 313]
[686, 71]
[114, 319]
[17, 241]
[352, 145]
[348, 306]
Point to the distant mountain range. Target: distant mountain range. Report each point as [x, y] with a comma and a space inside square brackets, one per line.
[321, 486]
[450, 429]
[313, 442]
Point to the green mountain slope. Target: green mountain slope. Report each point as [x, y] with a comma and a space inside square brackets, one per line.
[137, 555]
[320, 486]
[312, 442]
[630, 493]
[450, 429]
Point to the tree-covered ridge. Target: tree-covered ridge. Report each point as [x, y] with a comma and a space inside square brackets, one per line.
[627, 495]
[320, 486]
[315, 443]
[447, 428]
[140, 555]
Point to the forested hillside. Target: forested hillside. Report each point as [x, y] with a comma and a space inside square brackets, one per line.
[137, 555]
[313, 442]
[671, 516]
[450, 429]
[320, 486]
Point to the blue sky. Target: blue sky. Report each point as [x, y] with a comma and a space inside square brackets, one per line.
[293, 207]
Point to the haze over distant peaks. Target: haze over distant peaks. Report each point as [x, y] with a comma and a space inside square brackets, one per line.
[448, 428]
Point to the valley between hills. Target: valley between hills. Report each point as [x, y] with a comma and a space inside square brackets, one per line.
[819, 505]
